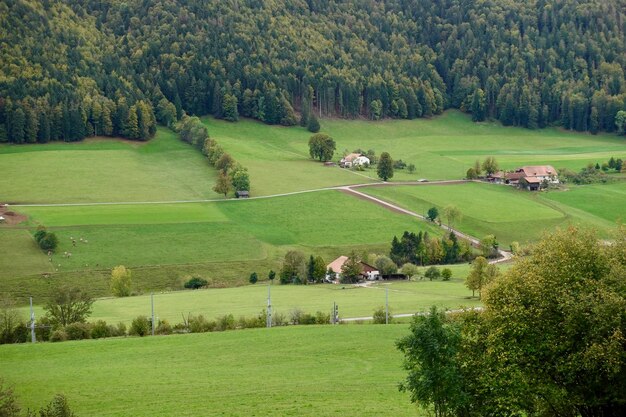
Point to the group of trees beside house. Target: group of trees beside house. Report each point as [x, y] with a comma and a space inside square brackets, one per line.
[74, 69]
[422, 249]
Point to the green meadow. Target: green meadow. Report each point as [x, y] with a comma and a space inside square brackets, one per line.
[443, 147]
[511, 214]
[105, 170]
[354, 301]
[289, 371]
[222, 241]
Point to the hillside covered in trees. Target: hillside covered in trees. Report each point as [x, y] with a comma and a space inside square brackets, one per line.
[70, 69]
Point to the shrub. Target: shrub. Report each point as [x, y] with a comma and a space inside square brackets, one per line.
[49, 242]
[295, 316]
[379, 316]
[446, 274]
[58, 407]
[140, 327]
[121, 329]
[100, 329]
[164, 327]
[39, 234]
[8, 402]
[43, 329]
[279, 319]
[195, 283]
[254, 278]
[199, 324]
[180, 328]
[253, 322]
[322, 318]
[225, 322]
[58, 335]
[307, 318]
[78, 331]
[399, 164]
[432, 273]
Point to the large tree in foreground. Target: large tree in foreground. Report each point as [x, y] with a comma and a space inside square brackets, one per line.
[559, 317]
[549, 342]
[431, 359]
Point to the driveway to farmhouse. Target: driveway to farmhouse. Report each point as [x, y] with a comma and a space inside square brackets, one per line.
[504, 255]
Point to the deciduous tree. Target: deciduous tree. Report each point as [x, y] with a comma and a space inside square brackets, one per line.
[223, 185]
[121, 281]
[430, 357]
[68, 305]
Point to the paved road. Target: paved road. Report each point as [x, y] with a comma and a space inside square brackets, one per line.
[504, 255]
[420, 313]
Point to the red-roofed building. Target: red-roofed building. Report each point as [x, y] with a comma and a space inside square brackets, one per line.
[367, 271]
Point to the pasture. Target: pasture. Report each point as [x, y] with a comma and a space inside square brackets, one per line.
[224, 241]
[405, 297]
[105, 170]
[221, 241]
[511, 214]
[443, 147]
[288, 371]
[605, 201]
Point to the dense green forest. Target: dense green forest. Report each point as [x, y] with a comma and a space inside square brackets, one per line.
[70, 69]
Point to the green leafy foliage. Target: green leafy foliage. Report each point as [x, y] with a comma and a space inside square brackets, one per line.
[195, 282]
[322, 147]
[140, 326]
[121, 281]
[68, 305]
[74, 70]
[434, 374]
[384, 168]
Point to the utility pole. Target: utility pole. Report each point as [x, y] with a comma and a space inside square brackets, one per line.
[269, 305]
[32, 322]
[152, 305]
[386, 305]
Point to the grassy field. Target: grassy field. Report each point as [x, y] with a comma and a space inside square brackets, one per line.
[607, 202]
[291, 371]
[223, 241]
[103, 170]
[511, 214]
[248, 301]
[441, 148]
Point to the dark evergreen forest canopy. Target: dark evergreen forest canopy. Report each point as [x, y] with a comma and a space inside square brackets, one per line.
[70, 69]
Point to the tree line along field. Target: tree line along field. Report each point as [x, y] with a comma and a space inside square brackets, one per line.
[287, 371]
[515, 215]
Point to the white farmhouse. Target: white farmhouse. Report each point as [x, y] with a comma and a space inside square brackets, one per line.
[354, 159]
